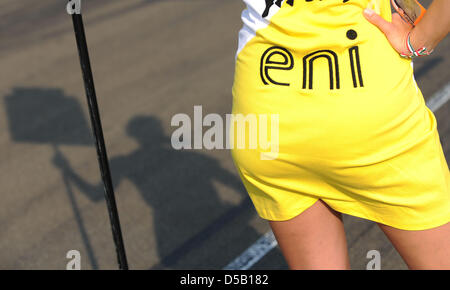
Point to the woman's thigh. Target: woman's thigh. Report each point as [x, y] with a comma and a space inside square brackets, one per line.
[427, 249]
[315, 239]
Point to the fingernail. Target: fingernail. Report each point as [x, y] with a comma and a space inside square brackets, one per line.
[368, 12]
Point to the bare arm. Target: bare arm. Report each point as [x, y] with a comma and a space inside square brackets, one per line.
[433, 27]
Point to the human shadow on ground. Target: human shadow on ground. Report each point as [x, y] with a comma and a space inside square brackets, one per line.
[178, 185]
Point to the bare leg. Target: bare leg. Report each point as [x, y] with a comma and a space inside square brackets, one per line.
[428, 249]
[315, 239]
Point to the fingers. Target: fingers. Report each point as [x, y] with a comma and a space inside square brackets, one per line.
[399, 21]
[378, 21]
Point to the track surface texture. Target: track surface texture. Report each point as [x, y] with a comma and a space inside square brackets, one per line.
[151, 60]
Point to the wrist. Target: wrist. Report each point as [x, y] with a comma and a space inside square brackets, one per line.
[415, 45]
[419, 40]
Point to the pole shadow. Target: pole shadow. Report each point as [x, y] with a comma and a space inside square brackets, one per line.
[176, 184]
[48, 116]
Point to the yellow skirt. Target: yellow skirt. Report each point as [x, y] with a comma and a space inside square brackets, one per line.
[350, 125]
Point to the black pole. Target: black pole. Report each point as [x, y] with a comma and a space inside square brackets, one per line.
[99, 140]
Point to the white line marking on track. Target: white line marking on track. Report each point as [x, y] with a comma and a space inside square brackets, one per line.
[254, 253]
[267, 242]
[439, 98]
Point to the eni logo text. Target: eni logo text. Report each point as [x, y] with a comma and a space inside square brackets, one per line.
[270, 60]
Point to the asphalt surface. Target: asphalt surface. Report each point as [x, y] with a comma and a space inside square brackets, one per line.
[151, 60]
